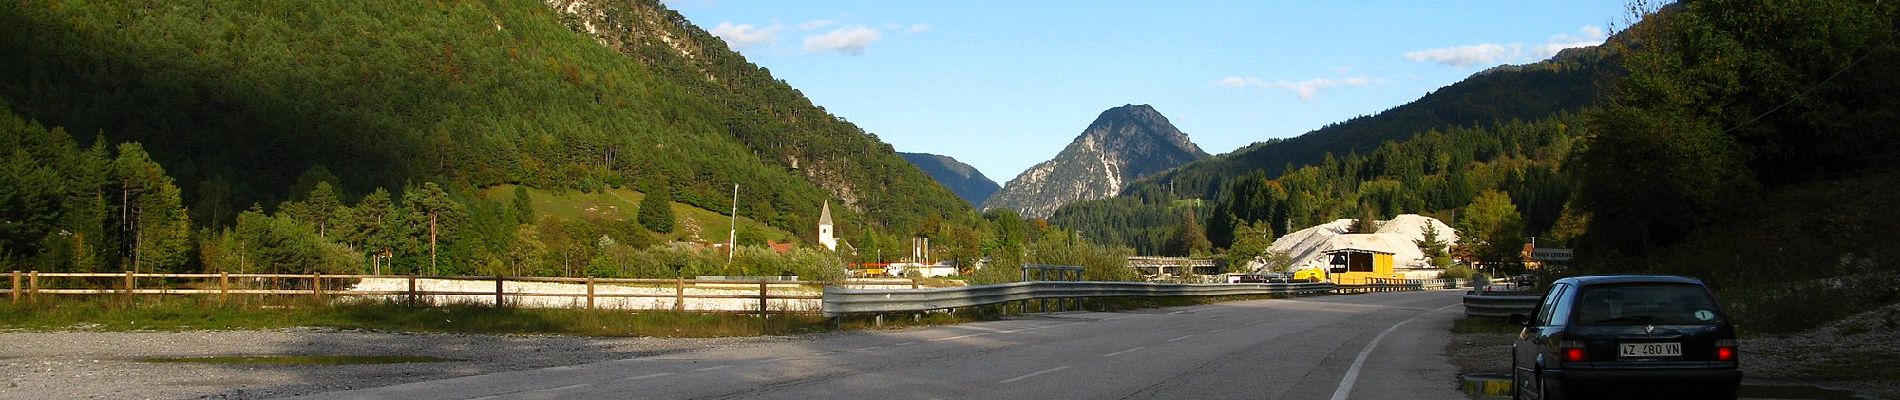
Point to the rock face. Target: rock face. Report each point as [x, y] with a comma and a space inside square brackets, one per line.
[1123, 144]
[961, 178]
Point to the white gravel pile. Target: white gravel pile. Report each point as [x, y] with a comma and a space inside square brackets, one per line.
[1398, 236]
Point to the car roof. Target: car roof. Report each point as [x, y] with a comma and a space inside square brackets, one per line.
[1590, 280]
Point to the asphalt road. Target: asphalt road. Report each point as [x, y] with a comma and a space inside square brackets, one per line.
[1370, 346]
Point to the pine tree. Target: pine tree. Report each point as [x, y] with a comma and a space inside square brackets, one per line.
[523, 206]
[656, 211]
[151, 214]
[434, 207]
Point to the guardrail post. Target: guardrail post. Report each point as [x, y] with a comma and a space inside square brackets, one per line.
[16, 287]
[498, 302]
[590, 292]
[679, 294]
[412, 289]
[224, 286]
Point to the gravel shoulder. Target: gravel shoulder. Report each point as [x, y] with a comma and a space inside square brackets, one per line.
[1860, 353]
[77, 364]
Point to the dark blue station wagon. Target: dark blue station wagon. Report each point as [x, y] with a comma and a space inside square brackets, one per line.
[1625, 336]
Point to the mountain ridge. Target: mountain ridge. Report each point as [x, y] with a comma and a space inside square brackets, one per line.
[1121, 145]
[964, 180]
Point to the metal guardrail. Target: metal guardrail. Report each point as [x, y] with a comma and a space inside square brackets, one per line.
[840, 301]
[1482, 305]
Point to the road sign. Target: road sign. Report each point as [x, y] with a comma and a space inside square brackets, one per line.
[1551, 254]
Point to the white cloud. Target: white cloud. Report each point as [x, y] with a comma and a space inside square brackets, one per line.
[1306, 89]
[918, 28]
[850, 40]
[1586, 36]
[815, 24]
[1465, 56]
[1489, 54]
[743, 36]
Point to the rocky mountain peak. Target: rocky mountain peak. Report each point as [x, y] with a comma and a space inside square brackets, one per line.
[1122, 144]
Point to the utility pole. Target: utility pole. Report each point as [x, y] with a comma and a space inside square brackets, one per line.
[732, 236]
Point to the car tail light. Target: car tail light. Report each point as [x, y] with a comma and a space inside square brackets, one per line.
[1572, 350]
[1725, 350]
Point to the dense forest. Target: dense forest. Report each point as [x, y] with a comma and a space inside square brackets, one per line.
[242, 98]
[1752, 145]
[362, 136]
[1568, 82]
[94, 206]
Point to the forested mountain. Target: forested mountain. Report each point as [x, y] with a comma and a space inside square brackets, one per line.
[1507, 129]
[1123, 144]
[1568, 82]
[1436, 172]
[963, 179]
[239, 99]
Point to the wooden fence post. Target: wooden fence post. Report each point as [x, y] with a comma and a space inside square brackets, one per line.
[316, 284]
[224, 286]
[128, 285]
[761, 299]
[590, 292]
[33, 286]
[412, 289]
[679, 294]
[498, 302]
[16, 287]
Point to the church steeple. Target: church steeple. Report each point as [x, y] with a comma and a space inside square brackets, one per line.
[825, 234]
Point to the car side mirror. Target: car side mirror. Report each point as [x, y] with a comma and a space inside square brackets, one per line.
[1521, 320]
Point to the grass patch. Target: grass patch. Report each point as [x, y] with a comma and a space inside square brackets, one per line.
[296, 360]
[620, 204]
[206, 313]
[1471, 324]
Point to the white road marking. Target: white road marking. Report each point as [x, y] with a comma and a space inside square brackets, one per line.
[1216, 331]
[1124, 351]
[1352, 373]
[712, 368]
[869, 348]
[1180, 338]
[652, 375]
[1033, 374]
[959, 337]
[905, 344]
[573, 386]
[779, 359]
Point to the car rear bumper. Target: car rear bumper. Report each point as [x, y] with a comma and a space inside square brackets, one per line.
[1584, 383]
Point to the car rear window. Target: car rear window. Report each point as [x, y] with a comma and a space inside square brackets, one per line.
[1645, 304]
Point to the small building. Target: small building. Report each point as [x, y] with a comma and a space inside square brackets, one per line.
[1355, 258]
[1355, 266]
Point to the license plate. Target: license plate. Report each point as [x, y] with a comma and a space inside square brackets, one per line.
[1642, 350]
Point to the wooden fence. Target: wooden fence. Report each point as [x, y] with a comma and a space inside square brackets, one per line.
[28, 285]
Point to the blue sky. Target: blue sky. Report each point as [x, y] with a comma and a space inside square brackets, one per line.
[1005, 85]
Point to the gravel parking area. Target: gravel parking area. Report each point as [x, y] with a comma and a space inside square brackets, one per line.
[63, 365]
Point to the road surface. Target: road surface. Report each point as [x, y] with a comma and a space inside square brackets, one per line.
[1370, 346]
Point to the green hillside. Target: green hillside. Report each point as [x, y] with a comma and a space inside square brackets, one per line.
[238, 99]
[617, 206]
